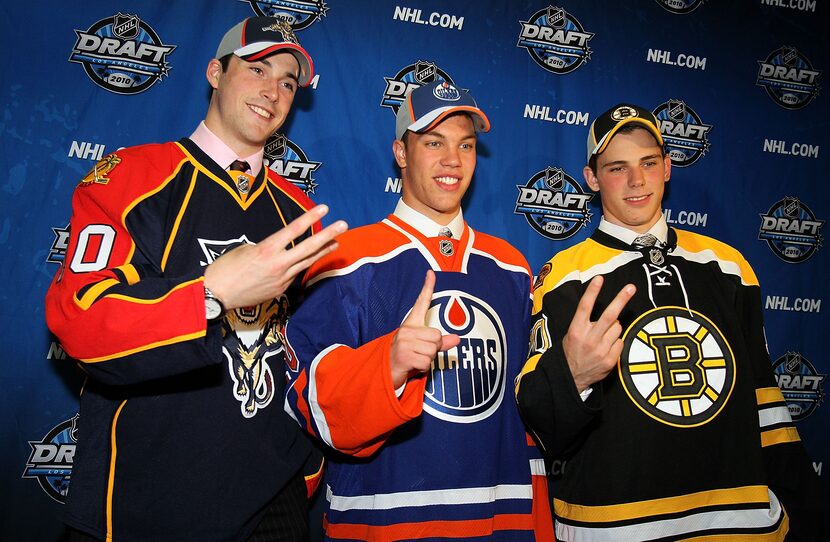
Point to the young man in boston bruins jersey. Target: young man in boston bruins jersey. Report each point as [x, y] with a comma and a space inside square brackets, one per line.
[404, 350]
[177, 282]
[648, 372]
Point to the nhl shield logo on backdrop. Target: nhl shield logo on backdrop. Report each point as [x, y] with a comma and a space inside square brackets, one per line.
[409, 78]
[686, 136]
[466, 383]
[290, 161]
[800, 383]
[554, 204]
[555, 40]
[788, 77]
[791, 230]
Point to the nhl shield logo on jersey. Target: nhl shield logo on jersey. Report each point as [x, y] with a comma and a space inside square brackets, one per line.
[466, 383]
[677, 367]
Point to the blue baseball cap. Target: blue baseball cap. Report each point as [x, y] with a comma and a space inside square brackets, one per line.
[426, 106]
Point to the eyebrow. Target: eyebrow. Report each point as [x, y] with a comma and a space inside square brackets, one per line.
[623, 162]
[290, 74]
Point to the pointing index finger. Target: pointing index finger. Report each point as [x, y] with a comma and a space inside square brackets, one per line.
[418, 314]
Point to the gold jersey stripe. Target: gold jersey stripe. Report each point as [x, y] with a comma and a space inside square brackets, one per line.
[779, 436]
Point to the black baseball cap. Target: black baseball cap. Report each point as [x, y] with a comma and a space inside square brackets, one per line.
[606, 125]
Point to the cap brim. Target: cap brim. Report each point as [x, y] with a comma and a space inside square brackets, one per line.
[262, 49]
[602, 143]
[480, 121]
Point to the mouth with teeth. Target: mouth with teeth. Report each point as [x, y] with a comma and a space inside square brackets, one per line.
[637, 199]
[264, 113]
[447, 181]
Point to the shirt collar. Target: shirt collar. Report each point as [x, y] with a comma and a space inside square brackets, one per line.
[220, 153]
[660, 230]
[426, 226]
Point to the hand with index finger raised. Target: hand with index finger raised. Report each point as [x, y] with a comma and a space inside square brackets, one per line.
[415, 344]
[593, 348]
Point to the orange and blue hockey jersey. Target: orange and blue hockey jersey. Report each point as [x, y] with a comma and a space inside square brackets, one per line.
[449, 458]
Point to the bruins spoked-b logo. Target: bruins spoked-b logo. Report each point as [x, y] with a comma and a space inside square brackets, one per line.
[555, 40]
[685, 135]
[788, 77]
[680, 7]
[800, 383]
[553, 204]
[466, 383]
[288, 159]
[677, 367]
[122, 54]
[299, 14]
[791, 230]
[409, 78]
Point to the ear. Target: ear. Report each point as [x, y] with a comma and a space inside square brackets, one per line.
[667, 166]
[590, 178]
[399, 150]
[213, 72]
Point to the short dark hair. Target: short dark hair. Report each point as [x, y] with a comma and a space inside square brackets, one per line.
[225, 62]
[625, 129]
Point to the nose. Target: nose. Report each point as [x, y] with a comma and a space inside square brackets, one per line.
[636, 178]
[271, 91]
[451, 156]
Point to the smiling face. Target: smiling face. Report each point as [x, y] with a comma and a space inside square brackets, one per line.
[631, 176]
[250, 100]
[437, 167]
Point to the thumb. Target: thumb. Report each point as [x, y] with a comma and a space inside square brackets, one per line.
[449, 341]
[418, 315]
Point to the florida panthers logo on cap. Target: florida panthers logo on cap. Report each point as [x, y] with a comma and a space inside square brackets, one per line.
[677, 367]
[299, 14]
[466, 384]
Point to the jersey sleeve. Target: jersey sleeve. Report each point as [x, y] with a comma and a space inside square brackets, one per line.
[340, 387]
[111, 305]
[545, 390]
[789, 470]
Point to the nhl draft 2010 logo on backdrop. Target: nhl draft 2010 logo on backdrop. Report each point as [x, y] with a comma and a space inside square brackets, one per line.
[554, 204]
[51, 459]
[122, 54]
[288, 159]
[800, 383]
[466, 383]
[685, 135]
[409, 78]
[788, 78]
[555, 40]
[299, 14]
[791, 230]
[681, 7]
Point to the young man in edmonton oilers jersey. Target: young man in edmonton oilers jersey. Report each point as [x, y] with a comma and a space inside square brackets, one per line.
[649, 375]
[402, 355]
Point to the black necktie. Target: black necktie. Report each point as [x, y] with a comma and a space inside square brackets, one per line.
[238, 170]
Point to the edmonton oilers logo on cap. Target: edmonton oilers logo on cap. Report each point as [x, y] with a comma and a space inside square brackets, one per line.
[466, 384]
[122, 54]
[446, 92]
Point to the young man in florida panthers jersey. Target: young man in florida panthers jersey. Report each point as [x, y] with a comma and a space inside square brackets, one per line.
[648, 372]
[404, 351]
[182, 435]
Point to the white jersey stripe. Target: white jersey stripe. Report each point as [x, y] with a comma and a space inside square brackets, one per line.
[389, 501]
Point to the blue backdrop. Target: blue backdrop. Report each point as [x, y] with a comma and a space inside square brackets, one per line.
[735, 84]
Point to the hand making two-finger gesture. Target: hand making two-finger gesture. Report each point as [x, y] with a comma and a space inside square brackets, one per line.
[593, 348]
[416, 344]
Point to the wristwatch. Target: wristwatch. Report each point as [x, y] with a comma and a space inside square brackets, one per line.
[214, 309]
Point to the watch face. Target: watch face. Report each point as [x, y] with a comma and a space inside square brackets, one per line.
[213, 309]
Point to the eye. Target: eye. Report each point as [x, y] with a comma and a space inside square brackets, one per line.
[433, 144]
[290, 85]
[256, 70]
[468, 146]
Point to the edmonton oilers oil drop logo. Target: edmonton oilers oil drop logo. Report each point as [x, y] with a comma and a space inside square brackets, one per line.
[553, 204]
[299, 14]
[791, 230]
[466, 384]
[555, 40]
[800, 383]
[680, 7]
[685, 135]
[52, 457]
[122, 54]
[409, 78]
[788, 78]
[288, 159]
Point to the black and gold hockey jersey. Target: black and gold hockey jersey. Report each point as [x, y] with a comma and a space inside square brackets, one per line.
[690, 436]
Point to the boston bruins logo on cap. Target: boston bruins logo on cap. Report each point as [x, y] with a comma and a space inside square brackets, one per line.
[623, 112]
[677, 367]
